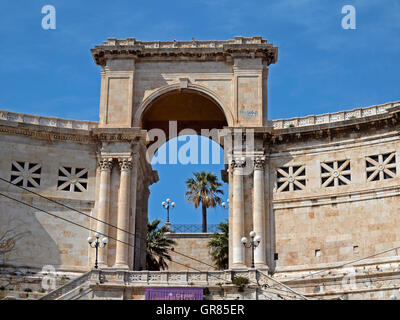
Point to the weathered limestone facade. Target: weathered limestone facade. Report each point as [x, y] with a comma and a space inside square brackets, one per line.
[190, 245]
[321, 190]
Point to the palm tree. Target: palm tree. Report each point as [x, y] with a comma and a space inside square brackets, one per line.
[204, 189]
[157, 246]
[219, 245]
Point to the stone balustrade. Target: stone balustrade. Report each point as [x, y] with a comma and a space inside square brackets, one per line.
[140, 279]
[47, 121]
[183, 44]
[277, 124]
[333, 117]
[178, 278]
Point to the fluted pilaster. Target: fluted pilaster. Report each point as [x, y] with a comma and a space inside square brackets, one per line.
[259, 212]
[237, 166]
[122, 248]
[105, 166]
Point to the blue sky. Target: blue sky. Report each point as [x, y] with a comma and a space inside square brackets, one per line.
[321, 67]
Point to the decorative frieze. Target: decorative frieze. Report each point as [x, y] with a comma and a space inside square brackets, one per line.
[45, 135]
[195, 49]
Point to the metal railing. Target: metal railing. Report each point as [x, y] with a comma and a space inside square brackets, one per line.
[193, 228]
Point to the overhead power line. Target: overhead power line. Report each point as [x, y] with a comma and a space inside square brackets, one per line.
[87, 228]
[96, 219]
[177, 252]
[128, 244]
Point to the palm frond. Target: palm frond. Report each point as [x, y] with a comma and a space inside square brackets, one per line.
[158, 246]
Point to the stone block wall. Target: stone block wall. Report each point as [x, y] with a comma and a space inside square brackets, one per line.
[342, 204]
[193, 245]
[62, 171]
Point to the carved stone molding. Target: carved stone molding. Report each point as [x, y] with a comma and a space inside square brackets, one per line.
[239, 47]
[125, 163]
[119, 134]
[238, 163]
[105, 163]
[259, 163]
[46, 134]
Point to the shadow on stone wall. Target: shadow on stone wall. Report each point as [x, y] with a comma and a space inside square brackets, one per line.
[24, 239]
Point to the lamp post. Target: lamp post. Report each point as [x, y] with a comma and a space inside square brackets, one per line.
[167, 204]
[97, 244]
[254, 242]
[225, 205]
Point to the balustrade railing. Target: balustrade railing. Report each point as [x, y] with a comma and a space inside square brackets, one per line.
[193, 228]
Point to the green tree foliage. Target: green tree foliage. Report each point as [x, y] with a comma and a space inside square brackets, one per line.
[219, 245]
[204, 189]
[158, 246]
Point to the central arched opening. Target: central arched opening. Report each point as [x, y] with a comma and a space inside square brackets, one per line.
[177, 159]
[191, 109]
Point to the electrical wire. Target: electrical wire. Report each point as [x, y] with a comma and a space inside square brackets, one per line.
[101, 221]
[87, 228]
[340, 266]
[109, 224]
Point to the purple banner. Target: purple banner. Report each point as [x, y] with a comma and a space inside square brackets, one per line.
[174, 293]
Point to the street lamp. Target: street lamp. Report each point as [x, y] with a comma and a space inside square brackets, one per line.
[225, 205]
[97, 244]
[167, 204]
[255, 241]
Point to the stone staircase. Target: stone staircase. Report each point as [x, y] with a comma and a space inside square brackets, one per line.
[102, 284]
[76, 289]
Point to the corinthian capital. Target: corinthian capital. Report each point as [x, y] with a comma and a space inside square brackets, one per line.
[125, 163]
[259, 163]
[237, 163]
[105, 163]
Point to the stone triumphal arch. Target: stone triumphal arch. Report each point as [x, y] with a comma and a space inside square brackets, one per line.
[199, 84]
[323, 190]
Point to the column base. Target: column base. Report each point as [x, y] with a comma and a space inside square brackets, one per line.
[120, 266]
[101, 266]
[261, 266]
[239, 266]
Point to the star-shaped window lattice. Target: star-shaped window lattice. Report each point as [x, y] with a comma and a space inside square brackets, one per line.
[72, 179]
[381, 167]
[291, 178]
[335, 173]
[25, 174]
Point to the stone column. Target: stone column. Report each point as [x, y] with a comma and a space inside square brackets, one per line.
[105, 165]
[237, 214]
[122, 249]
[259, 212]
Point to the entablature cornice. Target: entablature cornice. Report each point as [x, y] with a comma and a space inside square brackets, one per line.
[389, 119]
[119, 134]
[335, 198]
[226, 50]
[328, 146]
[45, 132]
